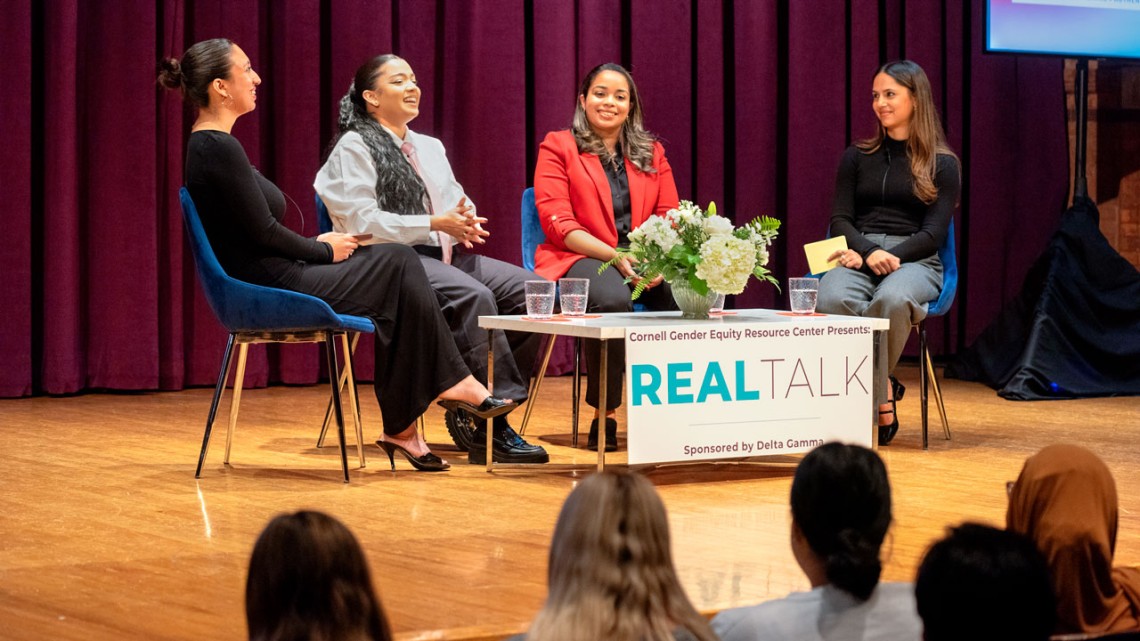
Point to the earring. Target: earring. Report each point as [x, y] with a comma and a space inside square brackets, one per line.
[227, 101]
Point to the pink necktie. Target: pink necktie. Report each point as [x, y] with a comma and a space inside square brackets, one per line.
[444, 239]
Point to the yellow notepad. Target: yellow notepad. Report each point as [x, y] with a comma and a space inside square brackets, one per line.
[818, 252]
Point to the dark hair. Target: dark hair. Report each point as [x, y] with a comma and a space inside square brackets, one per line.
[308, 580]
[352, 105]
[200, 65]
[983, 583]
[636, 142]
[841, 502]
[399, 188]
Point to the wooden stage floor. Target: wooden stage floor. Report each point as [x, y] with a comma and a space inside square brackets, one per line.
[105, 533]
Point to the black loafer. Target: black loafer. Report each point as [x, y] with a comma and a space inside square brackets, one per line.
[506, 445]
[611, 435]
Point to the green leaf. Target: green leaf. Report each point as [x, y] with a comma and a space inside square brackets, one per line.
[699, 286]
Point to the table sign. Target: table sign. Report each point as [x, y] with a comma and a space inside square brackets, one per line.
[717, 390]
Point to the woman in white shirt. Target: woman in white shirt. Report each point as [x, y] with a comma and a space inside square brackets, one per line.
[382, 178]
[841, 510]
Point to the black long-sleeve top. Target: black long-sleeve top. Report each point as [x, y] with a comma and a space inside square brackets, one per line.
[242, 211]
[874, 194]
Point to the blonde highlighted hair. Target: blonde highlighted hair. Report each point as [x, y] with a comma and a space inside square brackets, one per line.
[926, 139]
[611, 573]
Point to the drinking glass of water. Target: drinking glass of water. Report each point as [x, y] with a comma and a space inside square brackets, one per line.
[802, 293]
[539, 298]
[573, 294]
[718, 304]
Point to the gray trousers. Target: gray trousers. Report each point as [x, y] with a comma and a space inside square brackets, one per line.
[901, 296]
[473, 286]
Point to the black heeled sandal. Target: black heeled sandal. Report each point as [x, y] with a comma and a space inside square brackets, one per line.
[491, 407]
[887, 432]
[427, 463]
[898, 390]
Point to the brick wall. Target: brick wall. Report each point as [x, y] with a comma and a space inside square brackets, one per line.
[1113, 167]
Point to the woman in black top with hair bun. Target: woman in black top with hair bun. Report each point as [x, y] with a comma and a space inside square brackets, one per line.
[894, 198]
[841, 511]
[416, 358]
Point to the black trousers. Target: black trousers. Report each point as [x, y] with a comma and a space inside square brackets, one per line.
[416, 357]
[609, 294]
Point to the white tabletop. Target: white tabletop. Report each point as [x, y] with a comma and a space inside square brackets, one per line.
[615, 324]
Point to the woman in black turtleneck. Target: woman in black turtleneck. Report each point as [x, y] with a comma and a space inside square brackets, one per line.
[894, 198]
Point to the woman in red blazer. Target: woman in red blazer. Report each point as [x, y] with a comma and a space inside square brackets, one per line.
[593, 185]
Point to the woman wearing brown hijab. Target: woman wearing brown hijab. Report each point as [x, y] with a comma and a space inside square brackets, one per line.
[1065, 501]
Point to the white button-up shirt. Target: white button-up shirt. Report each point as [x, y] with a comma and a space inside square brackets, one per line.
[347, 185]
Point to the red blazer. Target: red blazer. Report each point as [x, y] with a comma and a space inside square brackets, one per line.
[572, 192]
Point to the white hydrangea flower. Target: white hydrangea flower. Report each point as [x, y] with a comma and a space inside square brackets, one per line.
[726, 263]
[655, 231]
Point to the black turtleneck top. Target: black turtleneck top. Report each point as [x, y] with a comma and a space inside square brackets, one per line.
[874, 194]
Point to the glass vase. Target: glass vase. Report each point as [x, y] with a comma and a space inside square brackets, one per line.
[692, 304]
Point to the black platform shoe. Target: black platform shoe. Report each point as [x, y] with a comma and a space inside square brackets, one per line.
[461, 428]
[611, 435]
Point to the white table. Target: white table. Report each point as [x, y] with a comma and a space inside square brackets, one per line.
[605, 327]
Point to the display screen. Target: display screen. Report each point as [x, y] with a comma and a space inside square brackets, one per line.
[1070, 28]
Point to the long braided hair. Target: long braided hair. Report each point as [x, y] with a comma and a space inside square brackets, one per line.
[399, 189]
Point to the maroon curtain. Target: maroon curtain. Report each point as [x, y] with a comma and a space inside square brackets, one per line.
[754, 101]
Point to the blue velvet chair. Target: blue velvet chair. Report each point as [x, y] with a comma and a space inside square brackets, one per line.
[928, 380]
[324, 221]
[258, 314]
[533, 236]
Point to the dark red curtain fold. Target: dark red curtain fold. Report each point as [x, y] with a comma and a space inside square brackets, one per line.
[755, 101]
[17, 287]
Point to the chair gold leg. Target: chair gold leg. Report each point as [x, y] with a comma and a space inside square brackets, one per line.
[218, 389]
[334, 383]
[936, 387]
[532, 396]
[235, 400]
[343, 378]
[353, 401]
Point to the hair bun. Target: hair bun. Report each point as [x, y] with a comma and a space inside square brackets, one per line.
[170, 73]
